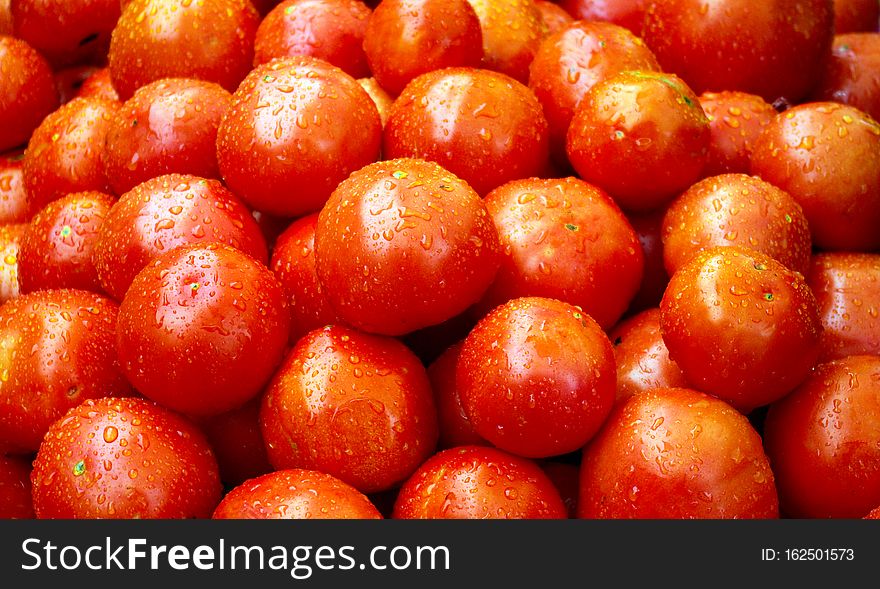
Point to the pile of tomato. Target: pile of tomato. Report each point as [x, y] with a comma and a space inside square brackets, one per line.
[439, 259]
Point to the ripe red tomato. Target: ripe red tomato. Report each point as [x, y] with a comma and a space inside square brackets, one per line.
[295, 494]
[625, 13]
[202, 328]
[27, 92]
[567, 240]
[237, 441]
[648, 228]
[736, 120]
[13, 197]
[167, 126]
[554, 16]
[852, 73]
[10, 242]
[124, 458]
[166, 212]
[824, 441]
[512, 30]
[351, 405]
[536, 377]
[56, 249]
[286, 160]
[455, 427]
[852, 16]
[15, 488]
[380, 96]
[5, 18]
[741, 326]
[404, 244]
[57, 349]
[98, 85]
[676, 454]
[476, 482]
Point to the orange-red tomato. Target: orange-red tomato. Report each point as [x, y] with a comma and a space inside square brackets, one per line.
[512, 31]
[10, 242]
[27, 91]
[851, 16]
[455, 427]
[13, 197]
[736, 119]
[649, 228]
[554, 16]
[852, 73]
[15, 488]
[98, 85]
[625, 13]
[237, 441]
[380, 96]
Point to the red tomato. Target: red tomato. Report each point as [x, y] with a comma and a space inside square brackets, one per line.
[286, 160]
[296, 494]
[10, 242]
[167, 126]
[56, 350]
[70, 80]
[5, 18]
[166, 212]
[824, 441]
[202, 329]
[354, 406]
[676, 454]
[381, 98]
[851, 16]
[566, 240]
[237, 442]
[554, 16]
[98, 85]
[852, 74]
[56, 249]
[483, 126]
[874, 514]
[13, 197]
[15, 488]
[404, 244]
[847, 288]
[475, 482]
[827, 156]
[736, 120]
[27, 92]
[455, 427]
[625, 13]
[649, 228]
[741, 326]
[512, 31]
[536, 377]
[124, 458]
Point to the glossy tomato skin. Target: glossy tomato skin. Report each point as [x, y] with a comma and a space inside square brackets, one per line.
[512, 31]
[642, 136]
[736, 210]
[237, 441]
[554, 16]
[404, 244]
[380, 96]
[847, 289]
[332, 30]
[56, 249]
[202, 329]
[851, 16]
[455, 427]
[15, 488]
[676, 453]
[64, 153]
[157, 39]
[736, 120]
[852, 74]
[773, 49]
[649, 229]
[573, 60]
[477, 482]
[641, 356]
[286, 160]
[124, 458]
[5, 18]
[13, 197]
[536, 377]
[403, 39]
[822, 440]
[625, 13]
[10, 243]
[165, 212]
[98, 85]
[295, 494]
[741, 326]
[27, 92]
[567, 240]
[168, 126]
[352, 405]
[57, 351]
[827, 156]
[483, 126]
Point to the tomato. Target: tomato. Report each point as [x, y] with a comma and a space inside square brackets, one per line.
[404, 244]
[827, 156]
[736, 210]
[642, 136]
[625, 13]
[649, 228]
[209, 40]
[852, 74]
[64, 153]
[536, 377]
[573, 60]
[380, 96]
[824, 441]
[641, 356]
[13, 197]
[15, 488]
[566, 240]
[851, 16]
[165, 212]
[66, 32]
[10, 243]
[736, 119]
[56, 249]
[741, 326]
[56, 350]
[167, 126]
[286, 160]
[403, 40]
[455, 427]
[237, 441]
[773, 48]
[351, 405]
[676, 454]
[98, 85]
[295, 494]
[429, 343]
[512, 31]
[566, 479]
[483, 126]
[554, 16]
[27, 91]
[5, 18]
[202, 329]
[332, 30]
[69, 80]
[847, 288]
[476, 482]
[874, 514]
[124, 458]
